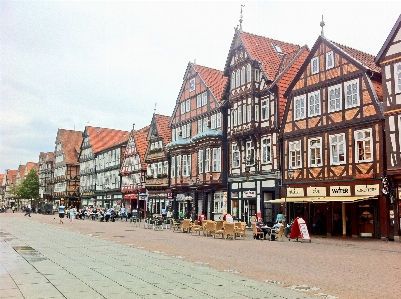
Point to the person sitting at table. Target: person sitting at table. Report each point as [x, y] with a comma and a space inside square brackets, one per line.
[277, 226]
[261, 227]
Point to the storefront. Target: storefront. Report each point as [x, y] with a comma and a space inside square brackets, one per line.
[158, 201]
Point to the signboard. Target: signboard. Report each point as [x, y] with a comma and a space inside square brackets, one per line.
[295, 192]
[234, 194]
[340, 191]
[367, 190]
[303, 229]
[170, 195]
[249, 194]
[316, 191]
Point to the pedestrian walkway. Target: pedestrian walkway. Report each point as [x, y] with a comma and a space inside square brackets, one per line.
[40, 260]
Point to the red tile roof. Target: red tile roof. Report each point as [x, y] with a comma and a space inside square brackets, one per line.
[71, 145]
[21, 171]
[103, 138]
[214, 79]
[162, 122]
[34, 165]
[141, 143]
[262, 49]
[12, 176]
[2, 179]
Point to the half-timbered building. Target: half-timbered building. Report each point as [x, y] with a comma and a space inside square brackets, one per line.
[389, 59]
[10, 198]
[260, 69]
[46, 176]
[157, 179]
[133, 172]
[66, 167]
[100, 161]
[333, 143]
[198, 180]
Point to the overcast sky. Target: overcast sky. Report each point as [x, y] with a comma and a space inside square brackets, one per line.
[68, 64]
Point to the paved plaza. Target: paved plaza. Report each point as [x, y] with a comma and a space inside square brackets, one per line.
[40, 258]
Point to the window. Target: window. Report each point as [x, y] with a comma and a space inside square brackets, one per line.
[257, 75]
[235, 117]
[213, 121]
[204, 98]
[218, 120]
[207, 160]
[160, 168]
[248, 73]
[363, 145]
[299, 103]
[243, 75]
[249, 113]
[237, 78]
[198, 101]
[165, 167]
[315, 152]
[329, 60]
[265, 110]
[352, 93]
[256, 112]
[335, 98]
[186, 165]
[178, 163]
[188, 105]
[192, 84]
[216, 159]
[184, 131]
[182, 107]
[200, 126]
[173, 167]
[266, 150]
[200, 161]
[235, 155]
[337, 149]
[315, 65]
[278, 49]
[295, 154]
[189, 130]
[205, 120]
[233, 80]
[397, 77]
[314, 103]
[239, 115]
[250, 153]
[244, 114]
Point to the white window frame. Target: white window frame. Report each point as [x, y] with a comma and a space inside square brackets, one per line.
[238, 78]
[200, 126]
[204, 98]
[299, 107]
[257, 75]
[314, 64]
[182, 107]
[243, 75]
[314, 103]
[216, 163]
[198, 101]
[315, 152]
[265, 109]
[249, 117]
[364, 146]
[239, 115]
[173, 167]
[235, 117]
[329, 60]
[294, 154]
[186, 165]
[160, 167]
[200, 161]
[188, 105]
[334, 98]
[192, 83]
[207, 160]
[338, 153]
[235, 155]
[184, 131]
[248, 73]
[233, 80]
[397, 77]
[250, 153]
[266, 150]
[205, 120]
[352, 97]
[165, 167]
[218, 120]
[256, 113]
[188, 129]
[213, 121]
[244, 111]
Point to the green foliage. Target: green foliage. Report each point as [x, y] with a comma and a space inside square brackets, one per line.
[29, 188]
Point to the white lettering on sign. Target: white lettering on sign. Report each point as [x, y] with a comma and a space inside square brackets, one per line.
[340, 190]
[367, 189]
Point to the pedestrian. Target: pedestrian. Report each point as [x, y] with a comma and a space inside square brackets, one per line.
[28, 210]
[13, 209]
[61, 211]
[72, 213]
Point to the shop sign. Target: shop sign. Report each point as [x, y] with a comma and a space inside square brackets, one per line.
[170, 195]
[249, 194]
[316, 191]
[234, 194]
[367, 190]
[180, 197]
[295, 192]
[340, 190]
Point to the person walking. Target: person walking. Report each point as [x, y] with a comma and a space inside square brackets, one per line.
[61, 211]
[13, 209]
[28, 210]
[72, 213]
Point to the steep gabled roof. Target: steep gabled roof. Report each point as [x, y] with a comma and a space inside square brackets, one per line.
[103, 138]
[12, 176]
[21, 171]
[389, 39]
[214, 79]
[262, 49]
[141, 143]
[30, 165]
[71, 143]
[162, 127]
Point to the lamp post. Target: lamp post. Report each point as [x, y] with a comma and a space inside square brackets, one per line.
[290, 175]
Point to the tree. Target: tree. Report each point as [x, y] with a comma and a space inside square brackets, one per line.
[29, 187]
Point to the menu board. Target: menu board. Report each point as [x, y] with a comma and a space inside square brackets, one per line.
[303, 229]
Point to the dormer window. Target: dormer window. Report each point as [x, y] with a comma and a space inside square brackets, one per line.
[315, 65]
[192, 84]
[278, 49]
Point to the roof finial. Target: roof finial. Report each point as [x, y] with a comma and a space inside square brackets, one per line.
[133, 126]
[154, 110]
[240, 19]
[322, 23]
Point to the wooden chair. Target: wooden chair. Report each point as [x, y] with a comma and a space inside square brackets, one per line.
[186, 226]
[218, 229]
[176, 225]
[277, 235]
[229, 230]
[203, 226]
[240, 229]
[256, 233]
[196, 227]
[209, 228]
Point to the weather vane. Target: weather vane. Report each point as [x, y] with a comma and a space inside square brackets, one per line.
[240, 19]
[322, 23]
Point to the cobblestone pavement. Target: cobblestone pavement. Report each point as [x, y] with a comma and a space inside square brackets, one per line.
[325, 268]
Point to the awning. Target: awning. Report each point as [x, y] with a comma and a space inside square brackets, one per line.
[306, 199]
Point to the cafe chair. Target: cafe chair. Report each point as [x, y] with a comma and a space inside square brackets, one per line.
[196, 227]
[186, 226]
[240, 228]
[218, 229]
[176, 226]
[278, 235]
[256, 233]
[229, 231]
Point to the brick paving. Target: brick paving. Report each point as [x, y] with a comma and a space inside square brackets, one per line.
[326, 267]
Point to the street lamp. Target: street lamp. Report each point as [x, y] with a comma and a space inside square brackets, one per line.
[290, 175]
